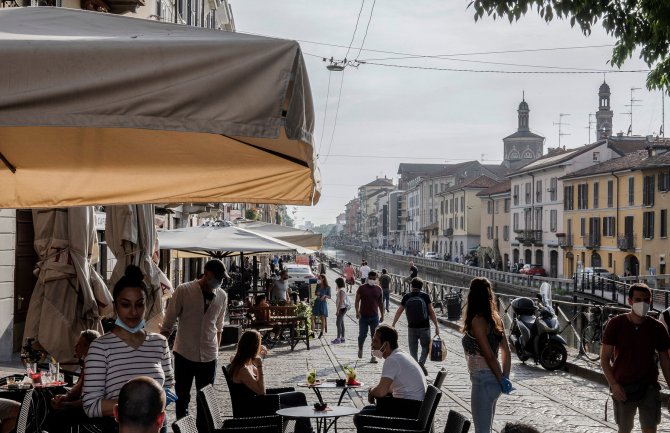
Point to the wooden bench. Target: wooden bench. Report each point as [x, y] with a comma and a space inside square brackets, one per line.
[280, 318]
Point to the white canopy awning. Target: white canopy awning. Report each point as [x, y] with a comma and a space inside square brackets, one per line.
[223, 242]
[304, 238]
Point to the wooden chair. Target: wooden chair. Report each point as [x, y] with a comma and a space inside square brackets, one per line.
[213, 421]
[439, 378]
[456, 423]
[422, 424]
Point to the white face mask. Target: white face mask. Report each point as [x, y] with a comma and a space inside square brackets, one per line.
[372, 282]
[641, 308]
[378, 353]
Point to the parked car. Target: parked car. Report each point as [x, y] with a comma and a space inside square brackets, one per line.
[601, 272]
[300, 274]
[431, 255]
[531, 269]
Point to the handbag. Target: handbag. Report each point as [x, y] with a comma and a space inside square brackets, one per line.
[438, 349]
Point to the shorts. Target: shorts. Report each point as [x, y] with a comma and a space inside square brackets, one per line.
[351, 281]
[649, 406]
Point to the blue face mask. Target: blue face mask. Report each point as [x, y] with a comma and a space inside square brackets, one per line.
[133, 330]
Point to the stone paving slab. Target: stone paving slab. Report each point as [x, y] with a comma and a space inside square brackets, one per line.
[551, 401]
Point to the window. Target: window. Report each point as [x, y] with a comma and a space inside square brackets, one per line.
[506, 233]
[582, 226]
[516, 195]
[489, 207]
[648, 191]
[528, 192]
[582, 196]
[538, 219]
[451, 223]
[489, 232]
[496, 237]
[430, 190]
[568, 199]
[553, 220]
[507, 205]
[538, 191]
[609, 260]
[610, 193]
[609, 228]
[596, 156]
[441, 208]
[596, 193]
[497, 204]
[462, 203]
[664, 223]
[664, 181]
[648, 225]
[462, 223]
[515, 221]
[455, 205]
[431, 215]
[631, 191]
[553, 189]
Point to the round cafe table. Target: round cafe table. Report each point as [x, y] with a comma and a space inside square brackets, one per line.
[317, 386]
[325, 419]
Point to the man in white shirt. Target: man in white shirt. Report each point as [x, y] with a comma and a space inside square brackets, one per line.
[200, 306]
[402, 378]
[280, 290]
[364, 271]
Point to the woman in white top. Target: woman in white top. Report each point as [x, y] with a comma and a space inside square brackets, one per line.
[341, 302]
[125, 353]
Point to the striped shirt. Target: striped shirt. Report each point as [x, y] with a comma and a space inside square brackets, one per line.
[111, 363]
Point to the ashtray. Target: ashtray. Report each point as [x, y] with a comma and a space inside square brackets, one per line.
[340, 382]
[320, 406]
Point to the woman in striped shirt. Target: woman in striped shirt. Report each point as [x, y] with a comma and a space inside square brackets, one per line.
[126, 352]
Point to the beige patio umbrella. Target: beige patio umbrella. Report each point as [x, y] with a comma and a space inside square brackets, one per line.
[69, 295]
[105, 109]
[130, 234]
[304, 238]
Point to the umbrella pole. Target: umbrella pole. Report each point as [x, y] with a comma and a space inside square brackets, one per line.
[245, 291]
[254, 273]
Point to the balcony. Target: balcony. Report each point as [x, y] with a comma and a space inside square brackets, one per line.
[591, 240]
[565, 241]
[529, 237]
[625, 242]
[449, 233]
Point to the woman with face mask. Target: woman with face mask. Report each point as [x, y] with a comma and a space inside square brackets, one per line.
[125, 353]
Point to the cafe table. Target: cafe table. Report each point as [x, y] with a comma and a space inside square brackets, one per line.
[329, 384]
[325, 419]
[41, 400]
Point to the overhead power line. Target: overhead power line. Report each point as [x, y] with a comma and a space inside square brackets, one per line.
[337, 112]
[372, 11]
[499, 71]
[355, 29]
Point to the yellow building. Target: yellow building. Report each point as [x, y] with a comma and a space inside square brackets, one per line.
[495, 224]
[616, 214]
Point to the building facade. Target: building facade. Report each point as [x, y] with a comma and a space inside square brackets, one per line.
[495, 227]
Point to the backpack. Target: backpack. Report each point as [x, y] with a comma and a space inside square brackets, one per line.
[417, 311]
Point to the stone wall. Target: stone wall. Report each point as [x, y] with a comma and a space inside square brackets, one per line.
[7, 260]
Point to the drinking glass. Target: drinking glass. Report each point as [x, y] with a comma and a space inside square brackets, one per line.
[54, 369]
[31, 368]
[60, 377]
[11, 380]
[47, 377]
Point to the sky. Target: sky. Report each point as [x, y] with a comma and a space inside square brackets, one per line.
[371, 118]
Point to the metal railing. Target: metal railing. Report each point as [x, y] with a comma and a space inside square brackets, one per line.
[626, 241]
[565, 241]
[591, 240]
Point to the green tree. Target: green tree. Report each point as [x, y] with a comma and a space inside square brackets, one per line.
[250, 214]
[634, 24]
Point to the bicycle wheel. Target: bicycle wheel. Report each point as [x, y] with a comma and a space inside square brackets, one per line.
[591, 342]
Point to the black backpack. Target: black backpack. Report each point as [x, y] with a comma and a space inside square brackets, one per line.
[416, 310]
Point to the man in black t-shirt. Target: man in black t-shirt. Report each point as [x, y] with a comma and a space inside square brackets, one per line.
[419, 310]
[385, 283]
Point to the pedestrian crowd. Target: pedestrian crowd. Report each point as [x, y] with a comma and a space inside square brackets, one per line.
[130, 375]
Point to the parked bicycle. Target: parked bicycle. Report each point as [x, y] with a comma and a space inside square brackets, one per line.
[592, 333]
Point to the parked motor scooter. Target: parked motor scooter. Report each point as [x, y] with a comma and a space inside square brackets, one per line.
[535, 331]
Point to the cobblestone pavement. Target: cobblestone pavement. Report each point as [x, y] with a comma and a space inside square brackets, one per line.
[551, 401]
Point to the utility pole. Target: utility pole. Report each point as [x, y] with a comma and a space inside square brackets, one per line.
[589, 127]
[663, 113]
[560, 124]
[630, 107]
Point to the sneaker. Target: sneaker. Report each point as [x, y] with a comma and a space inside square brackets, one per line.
[373, 360]
[360, 353]
[336, 341]
[342, 340]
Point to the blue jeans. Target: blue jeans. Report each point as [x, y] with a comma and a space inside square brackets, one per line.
[387, 298]
[483, 398]
[364, 323]
[416, 336]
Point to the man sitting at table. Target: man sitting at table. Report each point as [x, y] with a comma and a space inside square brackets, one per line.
[402, 379]
[141, 406]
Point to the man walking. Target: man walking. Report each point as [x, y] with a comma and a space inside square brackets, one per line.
[413, 271]
[200, 306]
[385, 283]
[628, 359]
[349, 276]
[419, 309]
[364, 271]
[369, 310]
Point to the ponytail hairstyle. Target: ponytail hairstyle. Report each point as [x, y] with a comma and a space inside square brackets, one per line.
[133, 277]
